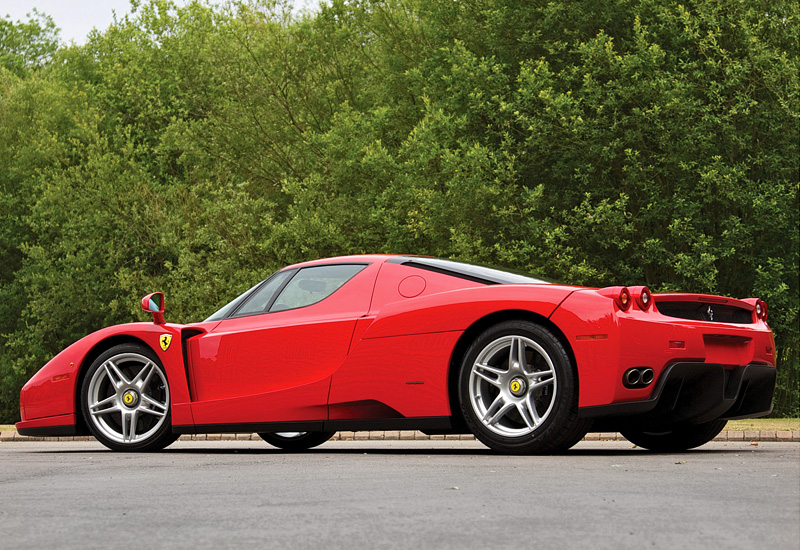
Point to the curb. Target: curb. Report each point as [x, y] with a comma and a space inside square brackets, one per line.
[407, 435]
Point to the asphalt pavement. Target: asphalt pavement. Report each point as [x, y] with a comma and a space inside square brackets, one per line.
[399, 494]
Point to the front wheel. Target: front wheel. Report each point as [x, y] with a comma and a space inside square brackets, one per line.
[125, 400]
[678, 438]
[519, 392]
[296, 441]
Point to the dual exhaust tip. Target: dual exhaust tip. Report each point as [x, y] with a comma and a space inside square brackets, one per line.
[638, 377]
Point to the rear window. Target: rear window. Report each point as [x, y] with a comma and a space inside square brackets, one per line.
[470, 272]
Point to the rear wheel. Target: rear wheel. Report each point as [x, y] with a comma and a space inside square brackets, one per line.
[679, 438]
[518, 390]
[296, 441]
[125, 400]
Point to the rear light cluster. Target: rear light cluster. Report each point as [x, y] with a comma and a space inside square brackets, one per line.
[643, 297]
[624, 297]
[761, 309]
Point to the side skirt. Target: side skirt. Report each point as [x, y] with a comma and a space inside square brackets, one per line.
[418, 423]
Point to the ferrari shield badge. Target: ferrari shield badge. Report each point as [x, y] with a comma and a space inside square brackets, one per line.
[165, 340]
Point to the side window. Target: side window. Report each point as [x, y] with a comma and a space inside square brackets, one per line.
[313, 284]
[257, 302]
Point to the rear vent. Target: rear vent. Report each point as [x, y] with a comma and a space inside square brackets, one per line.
[705, 312]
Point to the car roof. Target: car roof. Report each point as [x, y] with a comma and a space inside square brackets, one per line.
[476, 273]
[352, 259]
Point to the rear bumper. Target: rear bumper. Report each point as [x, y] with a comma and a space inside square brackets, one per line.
[693, 393]
[607, 343]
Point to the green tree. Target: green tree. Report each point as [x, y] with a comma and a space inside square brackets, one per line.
[27, 45]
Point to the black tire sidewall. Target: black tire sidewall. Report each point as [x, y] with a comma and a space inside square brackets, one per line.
[677, 439]
[300, 443]
[160, 438]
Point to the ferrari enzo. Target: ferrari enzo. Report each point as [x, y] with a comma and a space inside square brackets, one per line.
[405, 342]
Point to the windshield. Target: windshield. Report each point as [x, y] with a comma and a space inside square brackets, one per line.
[222, 312]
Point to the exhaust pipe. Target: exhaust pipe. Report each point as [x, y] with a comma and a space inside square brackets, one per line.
[638, 377]
[632, 377]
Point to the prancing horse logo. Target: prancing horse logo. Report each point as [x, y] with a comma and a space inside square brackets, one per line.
[165, 340]
[709, 311]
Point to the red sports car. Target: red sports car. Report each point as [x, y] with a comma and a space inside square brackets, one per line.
[404, 342]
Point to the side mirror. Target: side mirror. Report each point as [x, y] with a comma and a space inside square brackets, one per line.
[154, 303]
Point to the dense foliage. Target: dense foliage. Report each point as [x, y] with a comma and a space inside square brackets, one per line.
[196, 149]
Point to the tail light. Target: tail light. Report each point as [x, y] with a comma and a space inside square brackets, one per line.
[623, 299]
[761, 309]
[642, 297]
[620, 294]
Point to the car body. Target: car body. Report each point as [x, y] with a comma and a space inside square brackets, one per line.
[405, 342]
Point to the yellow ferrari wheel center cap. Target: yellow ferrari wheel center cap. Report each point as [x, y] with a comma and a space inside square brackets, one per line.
[130, 398]
[517, 387]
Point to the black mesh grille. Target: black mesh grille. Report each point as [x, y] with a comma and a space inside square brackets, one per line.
[699, 311]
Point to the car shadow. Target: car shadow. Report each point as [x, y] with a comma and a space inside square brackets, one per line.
[420, 451]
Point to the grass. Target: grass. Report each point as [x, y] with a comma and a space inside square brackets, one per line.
[759, 424]
[765, 424]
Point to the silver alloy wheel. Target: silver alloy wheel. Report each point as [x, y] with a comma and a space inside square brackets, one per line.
[290, 435]
[512, 386]
[128, 398]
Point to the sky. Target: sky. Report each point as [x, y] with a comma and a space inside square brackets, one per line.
[76, 18]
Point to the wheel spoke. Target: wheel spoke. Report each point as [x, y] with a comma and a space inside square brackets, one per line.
[129, 419]
[154, 412]
[530, 406]
[523, 363]
[115, 376]
[154, 408]
[490, 368]
[498, 401]
[102, 407]
[525, 414]
[539, 374]
[143, 378]
[497, 410]
[492, 381]
[500, 414]
[511, 353]
[535, 385]
[530, 370]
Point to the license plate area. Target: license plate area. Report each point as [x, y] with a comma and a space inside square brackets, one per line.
[728, 349]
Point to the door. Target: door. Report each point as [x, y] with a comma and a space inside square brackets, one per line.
[271, 359]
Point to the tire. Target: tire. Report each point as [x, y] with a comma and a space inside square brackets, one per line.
[125, 400]
[517, 404]
[680, 438]
[296, 441]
